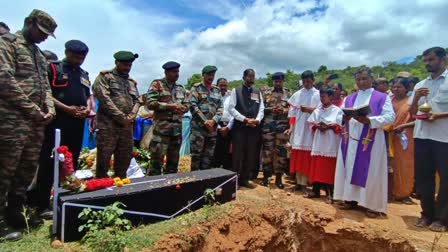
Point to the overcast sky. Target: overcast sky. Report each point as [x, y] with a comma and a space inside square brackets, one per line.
[265, 35]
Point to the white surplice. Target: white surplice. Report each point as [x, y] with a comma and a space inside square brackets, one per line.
[374, 195]
[302, 138]
[326, 143]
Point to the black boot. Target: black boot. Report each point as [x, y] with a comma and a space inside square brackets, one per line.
[15, 218]
[278, 181]
[7, 233]
[266, 181]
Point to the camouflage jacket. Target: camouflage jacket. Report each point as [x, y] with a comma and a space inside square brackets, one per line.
[25, 90]
[273, 99]
[118, 97]
[158, 96]
[205, 104]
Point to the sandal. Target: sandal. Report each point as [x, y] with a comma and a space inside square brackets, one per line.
[372, 214]
[347, 206]
[407, 201]
[311, 195]
[437, 226]
[422, 222]
[329, 200]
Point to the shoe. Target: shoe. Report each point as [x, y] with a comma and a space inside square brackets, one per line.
[311, 195]
[437, 226]
[46, 214]
[7, 233]
[266, 181]
[16, 219]
[422, 222]
[278, 181]
[247, 184]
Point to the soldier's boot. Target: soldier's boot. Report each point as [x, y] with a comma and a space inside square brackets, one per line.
[266, 177]
[7, 233]
[15, 213]
[278, 181]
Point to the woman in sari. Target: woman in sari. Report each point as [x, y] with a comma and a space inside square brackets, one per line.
[401, 143]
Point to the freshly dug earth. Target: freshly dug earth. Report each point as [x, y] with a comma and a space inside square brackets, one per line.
[265, 219]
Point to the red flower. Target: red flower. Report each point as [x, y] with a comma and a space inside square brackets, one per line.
[62, 149]
[135, 154]
[96, 184]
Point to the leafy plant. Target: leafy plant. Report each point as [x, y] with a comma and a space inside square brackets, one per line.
[104, 229]
[209, 196]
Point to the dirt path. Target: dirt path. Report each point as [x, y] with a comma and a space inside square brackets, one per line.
[265, 219]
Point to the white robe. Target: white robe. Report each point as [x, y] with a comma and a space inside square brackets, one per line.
[326, 143]
[302, 138]
[374, 195]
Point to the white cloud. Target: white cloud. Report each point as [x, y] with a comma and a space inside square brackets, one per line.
[266, 35]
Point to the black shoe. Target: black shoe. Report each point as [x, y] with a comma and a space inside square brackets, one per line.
[278, 181]
[46, 214]
[7, 233]
[266, 181]
[16, 219]
[247, 184]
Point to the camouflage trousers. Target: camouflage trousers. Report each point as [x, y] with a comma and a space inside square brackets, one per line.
[20, 145]
[164, 146]
[117, 141]
[202, 149]
[274, 152]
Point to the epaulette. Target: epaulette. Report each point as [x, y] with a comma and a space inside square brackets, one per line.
[9, 37]
[133, 81]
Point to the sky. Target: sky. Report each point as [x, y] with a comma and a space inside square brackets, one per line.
[268, 36]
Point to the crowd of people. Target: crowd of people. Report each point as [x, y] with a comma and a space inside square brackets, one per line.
[318, 135]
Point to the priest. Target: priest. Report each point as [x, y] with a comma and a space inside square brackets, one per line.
[361, 167]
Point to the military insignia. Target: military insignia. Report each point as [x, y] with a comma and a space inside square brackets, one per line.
[180, 94]
[85, 82]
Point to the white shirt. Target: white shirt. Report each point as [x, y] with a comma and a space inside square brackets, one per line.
[226, 117]
[326, 143]
[237, 115]
[438, 99]
[302, 137]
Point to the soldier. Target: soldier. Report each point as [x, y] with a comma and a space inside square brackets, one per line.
[169, 101]
[275, 122]
[4, 29]
[26, 106]
[70, 87]
[119, 102]
[206, 108]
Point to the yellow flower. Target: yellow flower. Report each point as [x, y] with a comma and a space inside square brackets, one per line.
[126, 181]
[119, 183]
[116, 179]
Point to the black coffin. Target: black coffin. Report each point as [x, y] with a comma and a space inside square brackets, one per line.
[148, 199]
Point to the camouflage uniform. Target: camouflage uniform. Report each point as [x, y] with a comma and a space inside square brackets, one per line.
[205, 105]
[274, 141]
[167, 134]
[24, 93]
[118, 98]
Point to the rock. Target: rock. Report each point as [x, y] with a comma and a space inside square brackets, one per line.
[56, 244]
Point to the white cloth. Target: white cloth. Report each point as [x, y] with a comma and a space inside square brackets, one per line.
[301, 138]
[226, 117]
[374, 195]
[326, 143]
[438, 99]
[237, 115]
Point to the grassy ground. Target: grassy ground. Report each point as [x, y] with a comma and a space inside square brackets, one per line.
[136, 239]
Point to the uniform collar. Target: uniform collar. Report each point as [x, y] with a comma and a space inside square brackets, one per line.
[125, 76]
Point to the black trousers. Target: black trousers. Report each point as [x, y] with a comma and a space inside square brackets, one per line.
[431, 156]
[222, 155]
[246, 150]
[72, 130]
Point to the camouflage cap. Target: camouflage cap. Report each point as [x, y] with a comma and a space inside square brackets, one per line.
[44, 21]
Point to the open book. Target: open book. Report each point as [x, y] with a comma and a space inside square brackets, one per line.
[360, 111]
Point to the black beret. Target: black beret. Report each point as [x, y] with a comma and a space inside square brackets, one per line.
[278, 76]
[170, 65]
[125, 56]
[76, 46]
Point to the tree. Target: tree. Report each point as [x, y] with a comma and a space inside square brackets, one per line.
[322, 69]
[195, 78]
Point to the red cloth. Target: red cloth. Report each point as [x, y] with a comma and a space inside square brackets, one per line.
[322, 169]
[338, 102]
[300, 161]
[292, 121]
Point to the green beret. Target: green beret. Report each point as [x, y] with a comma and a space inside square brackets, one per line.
[44, 22]
[125, 56]
[209, 69]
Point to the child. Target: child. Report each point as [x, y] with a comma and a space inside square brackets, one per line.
[325, 123]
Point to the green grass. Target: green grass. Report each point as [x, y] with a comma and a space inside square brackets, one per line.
[138, 238]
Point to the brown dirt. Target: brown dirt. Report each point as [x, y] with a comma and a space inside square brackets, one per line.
[265, 219]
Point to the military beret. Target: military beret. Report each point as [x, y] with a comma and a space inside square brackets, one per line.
[278, 76]
[76, 46]
[209, 69]
[125, 56]
[170, 65]
[44, 22]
